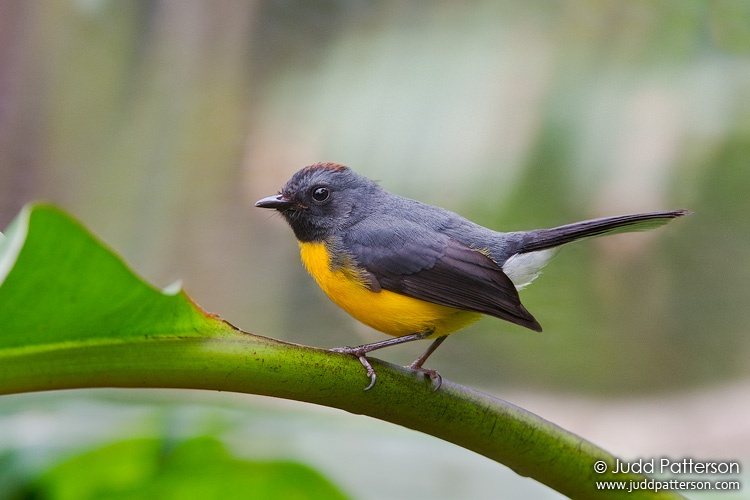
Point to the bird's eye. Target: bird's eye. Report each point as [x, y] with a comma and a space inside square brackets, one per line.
[320, 194]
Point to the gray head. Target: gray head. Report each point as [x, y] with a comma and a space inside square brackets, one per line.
[322, 198]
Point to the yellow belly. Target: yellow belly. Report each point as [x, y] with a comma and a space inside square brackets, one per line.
[386, 311]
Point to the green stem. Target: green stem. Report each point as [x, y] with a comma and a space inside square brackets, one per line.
[251, 364]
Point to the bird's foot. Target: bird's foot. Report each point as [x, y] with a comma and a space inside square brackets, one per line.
[435, 377]
[359, 353]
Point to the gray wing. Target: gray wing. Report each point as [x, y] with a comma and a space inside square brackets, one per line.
[406, 258]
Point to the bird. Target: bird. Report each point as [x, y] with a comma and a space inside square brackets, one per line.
[416, 271]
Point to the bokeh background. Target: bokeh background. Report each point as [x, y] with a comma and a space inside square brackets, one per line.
[159, 123]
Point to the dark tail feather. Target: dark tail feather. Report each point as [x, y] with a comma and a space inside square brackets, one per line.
[541, 239]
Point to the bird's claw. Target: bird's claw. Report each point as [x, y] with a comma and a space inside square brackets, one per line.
[360, 355]
[435, 377]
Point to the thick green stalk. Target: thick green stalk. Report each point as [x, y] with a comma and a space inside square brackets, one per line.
[241, 362]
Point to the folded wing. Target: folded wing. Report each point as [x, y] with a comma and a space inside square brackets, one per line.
[431, 266]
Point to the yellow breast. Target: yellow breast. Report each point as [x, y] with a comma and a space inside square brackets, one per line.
[386, 311]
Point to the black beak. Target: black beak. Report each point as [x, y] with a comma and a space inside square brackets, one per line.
[277, 201]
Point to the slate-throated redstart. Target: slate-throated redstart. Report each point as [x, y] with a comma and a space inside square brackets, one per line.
[415, 271]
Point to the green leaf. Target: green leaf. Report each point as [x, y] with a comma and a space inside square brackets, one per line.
[200, 469]
[72, 315]
[59, 284]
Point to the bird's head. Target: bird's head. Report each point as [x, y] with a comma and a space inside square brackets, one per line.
[321, 199]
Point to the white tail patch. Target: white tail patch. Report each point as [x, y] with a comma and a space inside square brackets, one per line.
[522, 268]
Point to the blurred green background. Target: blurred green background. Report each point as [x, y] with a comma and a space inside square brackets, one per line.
[159, 123]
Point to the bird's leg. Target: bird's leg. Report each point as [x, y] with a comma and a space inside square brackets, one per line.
[417, 364]
[361, 351]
